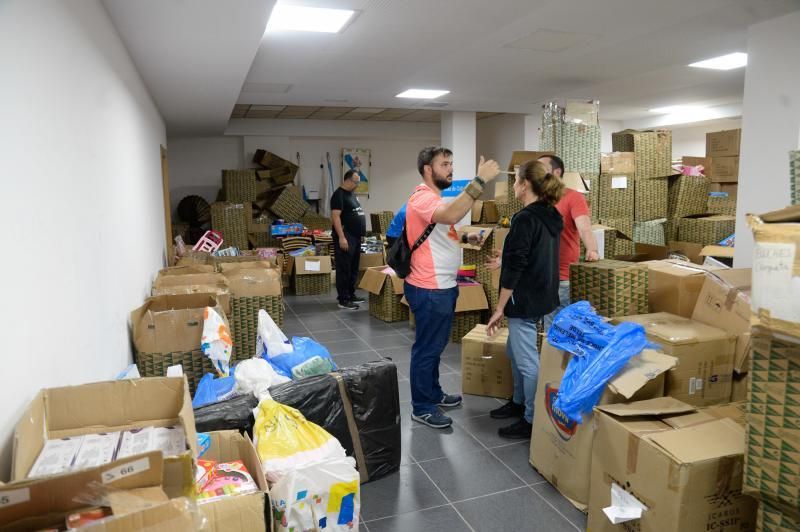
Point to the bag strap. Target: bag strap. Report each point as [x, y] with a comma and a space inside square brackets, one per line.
[423, 237]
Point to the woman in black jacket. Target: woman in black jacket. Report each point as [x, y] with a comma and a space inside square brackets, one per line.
[528, 286]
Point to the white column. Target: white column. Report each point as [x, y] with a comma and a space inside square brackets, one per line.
[532, 124]
[459, 134]
[770, 121]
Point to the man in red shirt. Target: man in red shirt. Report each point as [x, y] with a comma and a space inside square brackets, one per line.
[577, 226]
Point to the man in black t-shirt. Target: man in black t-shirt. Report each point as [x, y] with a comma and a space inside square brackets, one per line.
[349, 226]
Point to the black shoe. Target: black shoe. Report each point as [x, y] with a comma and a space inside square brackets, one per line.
[510, 409]
[450, 401]
[348, 305]
[521, 430]
[357, 299]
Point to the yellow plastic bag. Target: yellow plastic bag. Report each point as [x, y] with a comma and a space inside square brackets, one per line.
[285, 440]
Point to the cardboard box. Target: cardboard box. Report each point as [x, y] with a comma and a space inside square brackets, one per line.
[618, 162]
[724, 302]
[773, 432]
[652, 149]
[705, 162]
[108, 407]
[725, 169]
[501, 191]
[673, 286]
[688, 477]
[385, 294]
[776, 269]
[311, 275]
[371, 260]
[731, 189]
[197, 283]
[241, 512]
[771, 519]
[685, 250]
[561, 450]
[170, 324]
[45, 502]
[255, 281]
[485, 212]
[723, 143]
[706, 229]
[614, 288]
[485, 367]
[517, 159]
[705, 357]
[470, 307]
[185, 270]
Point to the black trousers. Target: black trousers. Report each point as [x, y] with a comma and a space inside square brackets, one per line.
[347, 267]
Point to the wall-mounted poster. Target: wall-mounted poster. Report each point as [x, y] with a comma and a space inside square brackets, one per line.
[359, 160]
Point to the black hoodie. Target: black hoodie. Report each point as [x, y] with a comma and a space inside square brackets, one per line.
[530, 261]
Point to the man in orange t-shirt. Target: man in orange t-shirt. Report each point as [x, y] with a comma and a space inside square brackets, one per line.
[577, 226]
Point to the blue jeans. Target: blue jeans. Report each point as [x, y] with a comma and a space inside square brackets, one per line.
[433, 312]
[521, 349]
[563, 296]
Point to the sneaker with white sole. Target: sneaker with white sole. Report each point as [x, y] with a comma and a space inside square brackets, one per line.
[435, 420]
[450, 401]
[348, 305]
[357, 299]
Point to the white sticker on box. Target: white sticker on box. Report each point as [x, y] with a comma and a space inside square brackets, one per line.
[624, 506]
[312, 266]
[125, 470]
[619, 181]
[692, 386]
[774, 287]
[600, 236]
[10, 498]
[698, 385]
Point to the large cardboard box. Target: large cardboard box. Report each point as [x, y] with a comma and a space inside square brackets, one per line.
[618, 162]
[485, 367]
[706, 229]
[197, 283]
[723, 143]
[725, 169]
[724, 302]
[771, 519]
[688, 250]
[242, 512]
[470, 307]
[776, 269]
[673, 286]
[561, 450]
[705, 162]
[385, 290]
[187, 269]
[253, 280]
[311, 275]
[687, 475]
[614, 288]
[108, 407]
[705, 357]
[652, 149]
[370, 260]
[45, 502]
[773, 430]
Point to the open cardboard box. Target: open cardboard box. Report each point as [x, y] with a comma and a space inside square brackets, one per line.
[310, 265]
[375, 279]
[108, 407]
[194, 283]
[253, 279]
[251, 512]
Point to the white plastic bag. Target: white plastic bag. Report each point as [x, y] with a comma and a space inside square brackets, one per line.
[255, 376]
[323, 496]
[270, 337]
[216, 341]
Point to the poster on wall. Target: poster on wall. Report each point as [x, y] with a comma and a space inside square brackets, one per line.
[357, 159]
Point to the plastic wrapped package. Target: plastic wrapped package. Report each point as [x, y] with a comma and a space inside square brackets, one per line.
[307, 358]
[233, 414]
[285, 440]
[601, 350]
[324, 496]
[359, 406]
[255, 376]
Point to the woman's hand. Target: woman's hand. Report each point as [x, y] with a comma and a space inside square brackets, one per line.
[494, 322]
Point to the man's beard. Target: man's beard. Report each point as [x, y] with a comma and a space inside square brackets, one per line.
[443, 183]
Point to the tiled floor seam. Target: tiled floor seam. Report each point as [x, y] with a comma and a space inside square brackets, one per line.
[435, 485]
[406, 513]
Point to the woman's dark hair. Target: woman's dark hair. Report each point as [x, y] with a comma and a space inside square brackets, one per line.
[545, 185]
[427, 155]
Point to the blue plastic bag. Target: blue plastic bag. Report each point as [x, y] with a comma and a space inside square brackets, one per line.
[212, 390]
[600, 351]
[308, 358]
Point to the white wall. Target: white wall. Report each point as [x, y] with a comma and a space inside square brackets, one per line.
[770, 123]
[498, 136]
[691, 140]
[195, 163]
[82, 210]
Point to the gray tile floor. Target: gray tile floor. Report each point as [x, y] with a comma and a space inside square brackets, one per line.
[465, 478]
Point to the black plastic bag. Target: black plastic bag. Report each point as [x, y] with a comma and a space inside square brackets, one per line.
[233, 414]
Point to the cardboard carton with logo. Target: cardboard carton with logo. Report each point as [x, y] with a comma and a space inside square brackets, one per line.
[385, 290]
[239, 512]
[108, 407]
[725, 169]
[652, 470]
[674, 286]
[723, 143]
[311, 275]
[705, 357]
[561, 450]
[724, 302]
[485, 366]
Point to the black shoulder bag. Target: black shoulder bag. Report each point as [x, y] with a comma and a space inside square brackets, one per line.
[399, 255]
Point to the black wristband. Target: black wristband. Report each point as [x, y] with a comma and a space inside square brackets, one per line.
[480, 181]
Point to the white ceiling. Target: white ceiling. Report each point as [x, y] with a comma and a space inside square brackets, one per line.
[629, 54]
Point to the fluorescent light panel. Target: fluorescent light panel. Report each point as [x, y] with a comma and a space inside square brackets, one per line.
[671, 109]
[302, 18]
[422, 94]
[723, 62]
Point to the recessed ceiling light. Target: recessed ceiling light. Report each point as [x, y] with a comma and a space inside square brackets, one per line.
[672, 109]
[302, 18]
[723, 62]
[422, 94]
